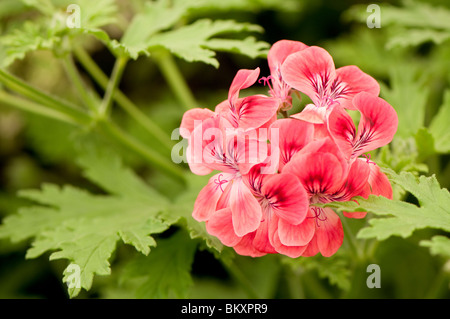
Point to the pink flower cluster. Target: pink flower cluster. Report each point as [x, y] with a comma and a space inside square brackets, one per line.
[272, 171]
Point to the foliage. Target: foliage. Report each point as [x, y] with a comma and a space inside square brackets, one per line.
[86, 116]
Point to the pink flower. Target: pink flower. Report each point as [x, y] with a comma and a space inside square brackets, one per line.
[327, 177]
[250, 112]
[278, 88]
[232, 156]
[282, 199]
[263, 200]
[312, 72]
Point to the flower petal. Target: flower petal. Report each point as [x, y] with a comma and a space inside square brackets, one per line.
[242, 80]
[207, 199]
[261, 241]
[379, 183]
[255, 111]
[355, 182]
[312, 114]
[280, 50]
[287, 197]
[245, 246]
[189, 118]
[320, 173]
[297, 235]
[220, 225]
[246, 210]
[342, 129]
[310, 71]
[350, 80]
[290, 251]
[292, 136]
[377, 125]
[329, 233]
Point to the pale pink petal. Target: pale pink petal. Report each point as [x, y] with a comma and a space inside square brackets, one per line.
[310, 71]
[377, 125]
[290, 251]
[321, 131]
[223, 107]
[245, 208]
[286, 197]
[280, 50]
[297, 235]
[312, 114]
[329, 233]
[191, 116]
[207, 199]
[221, 226]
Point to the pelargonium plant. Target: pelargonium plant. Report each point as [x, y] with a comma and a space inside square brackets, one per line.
[274, 173]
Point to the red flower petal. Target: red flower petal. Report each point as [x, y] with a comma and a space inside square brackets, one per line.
[287, 197]
[320, 173]
[292, 135]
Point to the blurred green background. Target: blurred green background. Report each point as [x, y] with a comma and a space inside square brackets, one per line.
[413, 73]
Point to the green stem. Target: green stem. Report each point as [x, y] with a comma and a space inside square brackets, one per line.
[19, 86]
[114, 81]
[158, 161]
[122, 100]
[350, 238]
[174, 78]
[75, 77]
[241, 279]
[293, 283]
[32, 107]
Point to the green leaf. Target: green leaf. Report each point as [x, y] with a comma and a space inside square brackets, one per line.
[156, 16]
[30, 37]
[46, 7]
[439, 245]
[439, 126]
[47, 32]
[85, 228]
[166, 271]
[408, 95]
[425, 143]
[412, 24]
[408, 38]
[194, 42]
[335, 269]
[402, 218]
[96, 14]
